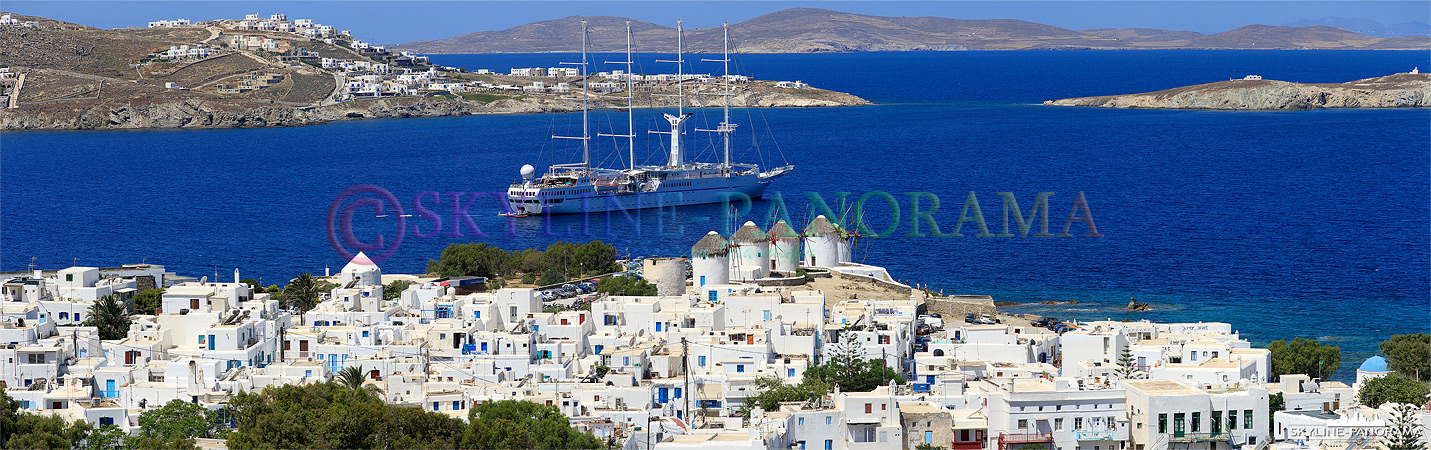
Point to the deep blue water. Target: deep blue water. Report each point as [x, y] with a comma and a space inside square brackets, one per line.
[1286, 224]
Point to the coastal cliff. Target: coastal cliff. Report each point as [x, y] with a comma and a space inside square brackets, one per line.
[1403, 90]
[140, 108]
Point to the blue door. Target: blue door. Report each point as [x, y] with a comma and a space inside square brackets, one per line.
[662, 395]
[211, 342]
[109, 391]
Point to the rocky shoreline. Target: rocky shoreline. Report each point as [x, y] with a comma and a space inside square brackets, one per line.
[141, 113]
[1403, 90]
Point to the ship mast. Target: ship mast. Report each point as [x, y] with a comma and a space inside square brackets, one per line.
[630, 99]
[630, 102]
[725, 128]
[681, 115]
[585, 109]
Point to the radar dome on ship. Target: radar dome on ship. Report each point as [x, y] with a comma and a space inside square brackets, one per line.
[528, 171]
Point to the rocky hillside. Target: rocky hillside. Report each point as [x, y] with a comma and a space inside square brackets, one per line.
[86, 104]
[1403, 90]
[71, 77]
[800, 30]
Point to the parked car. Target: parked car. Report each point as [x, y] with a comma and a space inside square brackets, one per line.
[971, 318]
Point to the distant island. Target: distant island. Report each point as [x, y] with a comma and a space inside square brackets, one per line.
[1403, 90]
[805, 30]
[271, 70]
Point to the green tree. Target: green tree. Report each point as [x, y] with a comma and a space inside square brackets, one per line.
[625, 286]
[106, 437]
[179, 421]
[1304, 356]
[600, 370]
[34, 431]
[529, 278]
[479, 259]
[252, 283]
[1394, 388]
[329, 415]
[1127, 366]
[22, 430]
[394, 289]
[302, 292]
[353, 377]
[552, 276]
[847, 368]
[1275, 402]
[1403, 431]
[474, 260]
[1409, 354]
[517, 424]
[110, 316]
[773, 391]
[9, 413]
[148, 300]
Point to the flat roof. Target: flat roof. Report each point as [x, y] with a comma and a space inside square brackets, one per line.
[1162, 387]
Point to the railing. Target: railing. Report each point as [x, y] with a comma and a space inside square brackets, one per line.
[1215, 436]
[1023, 438]
[1091, 435]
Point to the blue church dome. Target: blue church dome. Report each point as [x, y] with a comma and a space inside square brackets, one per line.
[1374, 364]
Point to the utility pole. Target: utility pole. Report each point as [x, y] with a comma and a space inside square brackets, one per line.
[686, 367]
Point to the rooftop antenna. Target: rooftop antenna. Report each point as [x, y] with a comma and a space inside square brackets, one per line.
[585, 109]
[725, 127]
[630, 100]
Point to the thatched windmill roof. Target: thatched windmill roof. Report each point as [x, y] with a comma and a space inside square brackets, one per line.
[823, 227]
[782, 231]
[749, 234]
[710, 245]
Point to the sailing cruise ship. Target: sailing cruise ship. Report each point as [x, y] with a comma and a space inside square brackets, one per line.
[581, 188]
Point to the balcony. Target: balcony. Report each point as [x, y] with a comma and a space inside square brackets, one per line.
[1090, 435]
[1024, 438]
[1188, 438]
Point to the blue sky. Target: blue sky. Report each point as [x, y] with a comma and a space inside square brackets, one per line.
[404, 21]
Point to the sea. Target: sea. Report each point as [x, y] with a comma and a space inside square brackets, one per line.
[1285, 224]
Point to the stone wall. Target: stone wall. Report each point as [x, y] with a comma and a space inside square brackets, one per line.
[953, 308]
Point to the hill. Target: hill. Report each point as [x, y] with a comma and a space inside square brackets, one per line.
[1370, 27]
[1402, 90]
[802, 30]
[222, 73]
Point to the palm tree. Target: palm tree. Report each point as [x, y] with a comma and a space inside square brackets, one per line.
[352, 377]
[302, 292]
[111, 316]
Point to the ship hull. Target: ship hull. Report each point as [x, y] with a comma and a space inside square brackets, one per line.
[699, 191]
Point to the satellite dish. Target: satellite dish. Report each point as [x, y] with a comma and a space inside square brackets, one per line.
[203, 279]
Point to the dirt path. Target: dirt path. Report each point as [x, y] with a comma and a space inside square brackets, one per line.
[15, 93]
